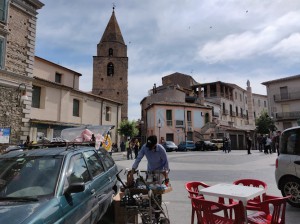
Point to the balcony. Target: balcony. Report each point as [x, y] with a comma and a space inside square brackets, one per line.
[225, 112]
[288, 115]
[287, 96]
[232, 114]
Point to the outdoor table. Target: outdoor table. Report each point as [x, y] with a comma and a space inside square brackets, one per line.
[232, 191]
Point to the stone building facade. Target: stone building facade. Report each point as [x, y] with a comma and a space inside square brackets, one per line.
[17, 39]
[110, 66]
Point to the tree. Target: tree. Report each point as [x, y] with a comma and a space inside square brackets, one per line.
[128, 128]
[265, 124]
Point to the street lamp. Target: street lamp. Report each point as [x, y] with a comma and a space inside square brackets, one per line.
[159, 126]
[22, 93]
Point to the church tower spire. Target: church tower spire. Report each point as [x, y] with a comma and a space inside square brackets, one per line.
[110, 66]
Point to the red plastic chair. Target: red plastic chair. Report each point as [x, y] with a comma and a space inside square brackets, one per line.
[193, 188]
[206, 215]
[252, 183]
[263, 216]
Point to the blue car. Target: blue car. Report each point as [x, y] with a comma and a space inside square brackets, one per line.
[73, 184]
[185, 146]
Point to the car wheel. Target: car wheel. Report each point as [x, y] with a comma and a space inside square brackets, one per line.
[291, 186]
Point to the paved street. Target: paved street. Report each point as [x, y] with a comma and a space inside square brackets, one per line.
[212, 168]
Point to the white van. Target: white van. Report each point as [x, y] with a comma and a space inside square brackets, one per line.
[287, 172]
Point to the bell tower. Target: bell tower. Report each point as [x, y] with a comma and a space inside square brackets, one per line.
[110, 66]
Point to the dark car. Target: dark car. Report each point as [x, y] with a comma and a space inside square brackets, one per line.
[169, 146]
[185, 146]
[73, 184]
[206, 146]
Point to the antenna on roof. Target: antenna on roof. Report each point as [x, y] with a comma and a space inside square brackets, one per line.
[114, 6]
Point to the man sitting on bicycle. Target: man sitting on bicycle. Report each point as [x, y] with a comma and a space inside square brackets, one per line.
[156, 156]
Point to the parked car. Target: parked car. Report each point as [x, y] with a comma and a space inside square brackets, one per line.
[287, 172]
[169, 146]
[218, 142]
[73, 184]
[187, 145]
[205, 146]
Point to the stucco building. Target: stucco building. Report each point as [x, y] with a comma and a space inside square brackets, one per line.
[284, 101]
[18, 23]
[57, 102]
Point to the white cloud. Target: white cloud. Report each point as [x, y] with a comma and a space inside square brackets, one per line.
[249, 39]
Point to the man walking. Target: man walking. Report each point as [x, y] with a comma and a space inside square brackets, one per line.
[249, 143]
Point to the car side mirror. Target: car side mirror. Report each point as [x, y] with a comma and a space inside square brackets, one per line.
[75, 188]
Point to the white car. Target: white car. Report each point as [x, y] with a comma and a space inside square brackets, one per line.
[287, 171]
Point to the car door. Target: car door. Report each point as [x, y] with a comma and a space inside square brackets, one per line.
[76, 207]
[100, 185]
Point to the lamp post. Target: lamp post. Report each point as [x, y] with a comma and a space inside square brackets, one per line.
[22, 93]
[159, 126]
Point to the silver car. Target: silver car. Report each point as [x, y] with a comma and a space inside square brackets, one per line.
[287, 171]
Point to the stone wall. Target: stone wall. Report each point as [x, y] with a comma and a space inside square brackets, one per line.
[10, 113]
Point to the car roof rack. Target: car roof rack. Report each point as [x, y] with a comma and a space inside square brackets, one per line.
[79, 136]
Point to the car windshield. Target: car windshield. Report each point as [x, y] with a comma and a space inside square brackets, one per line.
[170, 143]
[28, 176]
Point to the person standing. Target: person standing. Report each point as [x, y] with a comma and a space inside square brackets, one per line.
[136, 148]
[268, 148]
[277, 138]
[129, 149]
[122, 146]
[156, 156]
[249, 143]
[225, 144]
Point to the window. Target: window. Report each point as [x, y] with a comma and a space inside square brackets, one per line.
[290, 142]
[36, 97]
[254, 115]
[110, 52]
[189, 115]
[259, 103]
[241, 112]
[58, 77]
[253, 103]
[93, 163]
[2, 51]
[284, 92]
[106, 159]
[230, 109]
[241, 97]
[265, 103]
[237, 111]
[3, 10]
[169, 117]
[110, 69]
[77, 171]
[224, 108]
[170, 137]
[107, 113]
[75, 108]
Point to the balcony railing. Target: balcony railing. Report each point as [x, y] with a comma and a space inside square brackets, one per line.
[169, 123]
[288, 115]
[232, 114]
[225, 112]
[287, 96]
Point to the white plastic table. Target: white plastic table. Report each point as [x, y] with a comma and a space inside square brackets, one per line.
[232, 191]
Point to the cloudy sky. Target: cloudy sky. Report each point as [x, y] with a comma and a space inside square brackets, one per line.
[211, 40]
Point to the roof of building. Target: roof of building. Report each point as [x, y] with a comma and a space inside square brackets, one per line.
[112, 31]
[59, 85]
[183, 104]
[282, 79]
[57, 65]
